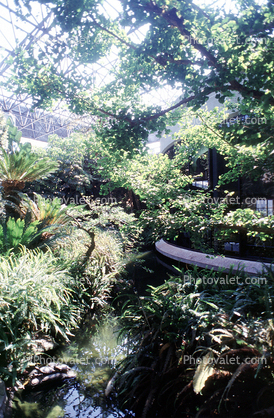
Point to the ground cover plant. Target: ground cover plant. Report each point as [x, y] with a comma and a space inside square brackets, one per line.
[197, 349]
[50, 292]
[37, 298]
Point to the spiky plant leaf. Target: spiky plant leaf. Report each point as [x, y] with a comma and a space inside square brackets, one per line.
[24, 166]
[15, 233]
[203, 372]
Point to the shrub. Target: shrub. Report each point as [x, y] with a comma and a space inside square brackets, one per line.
[42, 222]
[98, 273]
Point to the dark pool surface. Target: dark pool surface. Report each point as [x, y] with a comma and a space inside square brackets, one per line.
[148, 269]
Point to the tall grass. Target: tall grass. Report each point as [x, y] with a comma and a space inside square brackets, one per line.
[36, 298]
[96, 275]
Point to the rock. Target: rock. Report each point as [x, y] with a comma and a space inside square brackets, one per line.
[46, 369]
[34, 381]
[111, 384]
[45, 375]
[62, 368]
[3, 398]
[43, 345]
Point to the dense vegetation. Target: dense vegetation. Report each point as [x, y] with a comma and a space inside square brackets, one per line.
[198, 350]
[160, 189]
[187, 336]
[58, 262]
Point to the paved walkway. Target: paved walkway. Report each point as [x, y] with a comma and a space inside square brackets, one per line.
[209, 261]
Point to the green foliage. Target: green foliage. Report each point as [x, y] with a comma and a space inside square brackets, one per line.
[42, 223]
[9, 134]
[15, 233]
[71, 150]
[169, 206]
[18, 165]
[188, 212]
[180, 323]
[14, 136]
[27, 308]
[113, 218]
[51, 211]
[45, 292]
[219, 129]
[77, 172]
[96, 274]
[52, 216]
[251, 221]
[196, 51]
[22, 275]
[195, 214]
[152, 177]
[24, 166]
[104, 267]
[69, 289]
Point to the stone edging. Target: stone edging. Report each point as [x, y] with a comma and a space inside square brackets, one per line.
[209, 261]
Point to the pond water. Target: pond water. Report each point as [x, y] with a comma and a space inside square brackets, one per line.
[93, 354]
[148, 269]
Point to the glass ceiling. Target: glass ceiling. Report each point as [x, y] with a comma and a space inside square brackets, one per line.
[22, 29]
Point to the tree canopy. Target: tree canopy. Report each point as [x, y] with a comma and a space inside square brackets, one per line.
[196, 51]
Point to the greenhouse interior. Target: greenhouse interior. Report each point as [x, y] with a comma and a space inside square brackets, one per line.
[137, 214]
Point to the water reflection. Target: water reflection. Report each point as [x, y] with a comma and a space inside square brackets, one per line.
[93, 356]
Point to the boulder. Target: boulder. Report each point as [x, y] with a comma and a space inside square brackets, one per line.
[3, 399]
[53, 373]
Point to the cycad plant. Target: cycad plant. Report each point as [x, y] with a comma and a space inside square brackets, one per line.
[15, 233]
[43, 223]
[18, 165]
[53, 219]
[21, 166]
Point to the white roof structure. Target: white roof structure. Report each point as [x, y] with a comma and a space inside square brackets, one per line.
[22, 31]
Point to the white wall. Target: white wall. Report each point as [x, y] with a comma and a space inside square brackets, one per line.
[34, 142]
[166, 141]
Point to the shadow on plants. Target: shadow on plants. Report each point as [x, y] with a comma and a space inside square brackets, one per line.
[195, 350]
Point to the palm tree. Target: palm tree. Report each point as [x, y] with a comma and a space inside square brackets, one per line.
[18, 165]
